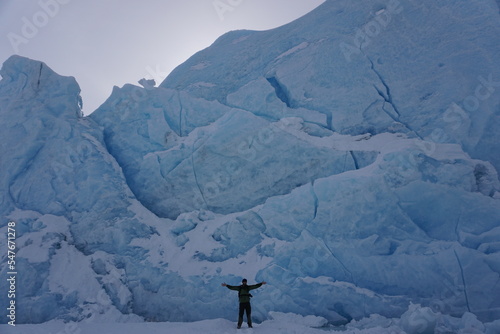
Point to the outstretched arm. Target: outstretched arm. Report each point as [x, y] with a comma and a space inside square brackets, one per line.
[255, 286]
[230, 287]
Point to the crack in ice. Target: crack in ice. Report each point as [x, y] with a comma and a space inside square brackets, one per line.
[463, 280]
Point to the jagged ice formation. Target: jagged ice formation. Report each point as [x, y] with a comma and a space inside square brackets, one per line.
[348, 158]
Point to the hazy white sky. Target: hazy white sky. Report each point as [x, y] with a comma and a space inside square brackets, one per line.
[103, 43]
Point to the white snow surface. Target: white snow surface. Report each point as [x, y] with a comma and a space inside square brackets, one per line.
[349, 159]
[415, 321]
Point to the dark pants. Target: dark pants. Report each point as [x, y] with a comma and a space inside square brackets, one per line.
[245, 307]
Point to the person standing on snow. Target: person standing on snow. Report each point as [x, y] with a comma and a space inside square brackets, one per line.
[244, 298]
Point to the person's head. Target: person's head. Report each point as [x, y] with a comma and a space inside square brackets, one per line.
[244, 281]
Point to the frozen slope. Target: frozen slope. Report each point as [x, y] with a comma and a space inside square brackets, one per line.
[211, 162]
[429, 70]
[63, 190]
[426, 68]
[339, 158]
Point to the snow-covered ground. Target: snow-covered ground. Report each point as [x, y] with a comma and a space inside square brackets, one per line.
[417, 320]
[219, 326]
[354, 170]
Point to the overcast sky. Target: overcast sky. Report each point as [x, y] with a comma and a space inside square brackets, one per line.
[103, 43]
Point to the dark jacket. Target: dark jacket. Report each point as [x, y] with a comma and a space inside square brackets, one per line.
[243, 291]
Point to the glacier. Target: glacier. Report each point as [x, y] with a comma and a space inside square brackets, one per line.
[349, 158]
